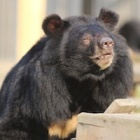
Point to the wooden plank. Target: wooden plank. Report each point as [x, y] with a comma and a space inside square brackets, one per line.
[108, 127]
[121, 106]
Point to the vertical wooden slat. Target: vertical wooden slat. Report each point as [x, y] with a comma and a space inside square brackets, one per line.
[64, 7]
[30, 16]
[87, 4]
[7, 29]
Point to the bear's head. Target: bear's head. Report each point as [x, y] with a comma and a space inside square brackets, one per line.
[87, 46]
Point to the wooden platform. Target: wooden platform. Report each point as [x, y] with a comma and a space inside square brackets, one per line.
[108, 127]
[114, 124]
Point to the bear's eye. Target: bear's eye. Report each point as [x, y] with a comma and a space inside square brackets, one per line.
[87, 39]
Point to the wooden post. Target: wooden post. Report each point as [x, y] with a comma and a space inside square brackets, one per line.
[30, 14]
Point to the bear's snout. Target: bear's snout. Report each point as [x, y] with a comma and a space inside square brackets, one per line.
[106, 43]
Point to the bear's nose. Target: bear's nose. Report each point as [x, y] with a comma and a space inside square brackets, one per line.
[106, 43]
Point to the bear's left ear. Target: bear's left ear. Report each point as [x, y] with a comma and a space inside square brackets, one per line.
[110, 18]
[52, 25]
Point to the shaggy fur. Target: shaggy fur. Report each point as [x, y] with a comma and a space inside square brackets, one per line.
[62, 75]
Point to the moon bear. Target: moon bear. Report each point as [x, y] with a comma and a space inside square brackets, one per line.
[80, 65]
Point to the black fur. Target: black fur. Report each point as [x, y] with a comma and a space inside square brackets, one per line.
[131, 31]
[57, 79]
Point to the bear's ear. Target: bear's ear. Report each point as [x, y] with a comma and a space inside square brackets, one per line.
[110, 18]
[52, 25]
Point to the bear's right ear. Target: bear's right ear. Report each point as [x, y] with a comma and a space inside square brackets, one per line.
[52, 25]
[109, 18]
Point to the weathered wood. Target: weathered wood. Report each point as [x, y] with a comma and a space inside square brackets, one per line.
[108, 127]
[121, 106]
[137, 101]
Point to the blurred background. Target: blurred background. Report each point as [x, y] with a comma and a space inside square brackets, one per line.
[20, 24]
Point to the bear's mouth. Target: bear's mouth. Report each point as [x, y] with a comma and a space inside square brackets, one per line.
[104, 56]
[103, 60]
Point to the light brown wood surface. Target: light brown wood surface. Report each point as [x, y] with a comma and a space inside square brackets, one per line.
[108, 127]
[121, 106]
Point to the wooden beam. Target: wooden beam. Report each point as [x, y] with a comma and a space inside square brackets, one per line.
[108, 127]
[121, 106]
